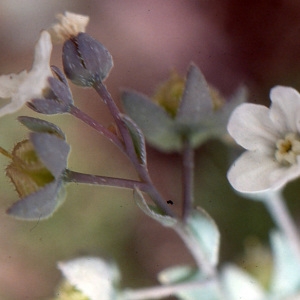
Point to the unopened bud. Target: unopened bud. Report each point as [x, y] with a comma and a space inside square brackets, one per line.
[85, 60]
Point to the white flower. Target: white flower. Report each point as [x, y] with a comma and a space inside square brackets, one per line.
[94, 277]
[70, 24]
[271, 137]
[25, 86]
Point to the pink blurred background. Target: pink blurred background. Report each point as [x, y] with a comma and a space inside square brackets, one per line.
[234, 42]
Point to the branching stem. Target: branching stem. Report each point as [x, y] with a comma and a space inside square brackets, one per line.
[130, 150]
[79, 114]
[77, 177]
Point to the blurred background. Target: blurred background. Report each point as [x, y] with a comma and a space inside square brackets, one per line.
[234, 42]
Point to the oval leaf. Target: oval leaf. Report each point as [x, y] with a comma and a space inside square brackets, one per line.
[286, 280]
[137, 139]
[240, 285]
[205, 231]
[162, 219]
[156, 124]
[196, 102]
[51, 150]
[39, 125]
[39, 205]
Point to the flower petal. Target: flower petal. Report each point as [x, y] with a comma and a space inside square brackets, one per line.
[251, 173]
[94, 277]
[32, 85]
[285, 109]
[9, 83]
[281, 176]
[69, 24]
[252, 128]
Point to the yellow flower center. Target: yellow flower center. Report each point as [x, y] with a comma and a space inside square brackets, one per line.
[288, 149]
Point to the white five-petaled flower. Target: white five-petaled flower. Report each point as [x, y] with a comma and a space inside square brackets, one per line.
[94, 277]
[271, 137]
[25, 86]
[69, 24]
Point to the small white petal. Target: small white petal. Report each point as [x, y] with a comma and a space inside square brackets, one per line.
[281, 176]
[9, 83]
[252, 128]
[250, 173]
[285, 109]
[272, 138]
[26, 86]
[70, 24]
[93, 276]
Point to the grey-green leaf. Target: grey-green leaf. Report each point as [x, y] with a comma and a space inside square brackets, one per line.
[204, 230]
[239, 285]
[196, 103]
[137, 139]
[39, 205]
[156, 124]
[162, 219]
[286, 280]
[52, 151]
[39, 125]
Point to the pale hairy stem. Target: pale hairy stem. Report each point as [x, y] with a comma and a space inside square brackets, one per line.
[130, 149]
[116, 114]
[191, 244]
[188, 179]
[76, 112]
[77, 177]
[276, 206]
[158, 292]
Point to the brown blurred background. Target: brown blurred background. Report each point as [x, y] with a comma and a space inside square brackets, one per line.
[233, 41]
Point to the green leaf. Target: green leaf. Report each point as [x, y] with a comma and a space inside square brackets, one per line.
[177, 274]
[202, 228]
[150, 211]
[239, 285]
[39, 205]
[42, 126]
[286, 279]
[196, 103]
[137, 139]
[52, 151]
[156, 124]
